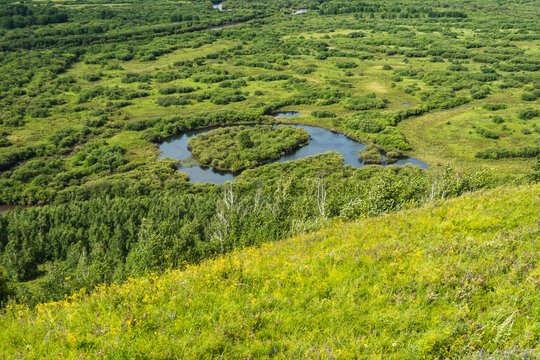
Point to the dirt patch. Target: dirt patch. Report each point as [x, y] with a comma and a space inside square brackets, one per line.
[377, 87]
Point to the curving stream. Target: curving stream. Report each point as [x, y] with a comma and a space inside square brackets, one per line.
[322, 141]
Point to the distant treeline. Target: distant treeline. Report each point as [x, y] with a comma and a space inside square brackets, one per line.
[20, 15]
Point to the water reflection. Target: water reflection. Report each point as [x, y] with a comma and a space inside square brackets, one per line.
[287, 114]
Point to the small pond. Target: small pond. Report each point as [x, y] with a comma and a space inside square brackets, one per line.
[322, 141]
[219, 27]
[218, 6]
[287, 114]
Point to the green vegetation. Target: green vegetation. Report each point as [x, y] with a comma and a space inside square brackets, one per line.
[238, 148]
[88, 91]
[373, 154]
[107, 239]
[450, 280]
[142, 71]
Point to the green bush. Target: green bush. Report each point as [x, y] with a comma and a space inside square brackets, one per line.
[488, 134]
[529, 113]
[367, 102]
[323, 114]
[494, 107]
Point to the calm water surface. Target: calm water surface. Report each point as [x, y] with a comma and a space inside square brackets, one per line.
[322, 141]
[287, 114]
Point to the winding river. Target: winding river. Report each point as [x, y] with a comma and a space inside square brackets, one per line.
[322, 141]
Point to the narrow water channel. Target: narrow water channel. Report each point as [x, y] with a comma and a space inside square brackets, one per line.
[322, 141]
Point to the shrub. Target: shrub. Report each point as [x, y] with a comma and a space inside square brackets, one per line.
[355, 35]
[367, 102]
[488, 134]
[525, 152]
[346, 65]
[494, 107]
[39, 113]
[498, 119]
[364, 124]
[528, 113]
[479, 92]
[528, 97]
[323, 114]
[167, 101]
[92, 77]
[176, 89]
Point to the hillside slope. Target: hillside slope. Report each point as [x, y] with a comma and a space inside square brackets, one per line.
[456, 279]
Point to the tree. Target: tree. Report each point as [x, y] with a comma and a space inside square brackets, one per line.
[6, 291]
[245, 140]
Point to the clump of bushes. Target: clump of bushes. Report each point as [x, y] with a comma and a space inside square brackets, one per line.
[479, 92]
[529, 96]
[494, 107]
[367, 102]
[528, 113]
[225, 98]
[497, 119]
[323, 114]
[167, 101]
[346, 65]
[524, 152]
[374, 154]
[364, 124]
[371, 154]
[488, 134]
[304, 70]
[92, 77]
[177, 90]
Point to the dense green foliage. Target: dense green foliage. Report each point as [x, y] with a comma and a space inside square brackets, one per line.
[88, 89]
[108, 239]
[452, 280]
[239, 147]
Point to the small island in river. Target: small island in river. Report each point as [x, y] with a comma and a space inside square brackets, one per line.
[243, 147]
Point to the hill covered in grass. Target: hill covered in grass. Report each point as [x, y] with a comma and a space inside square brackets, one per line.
[457, 279]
